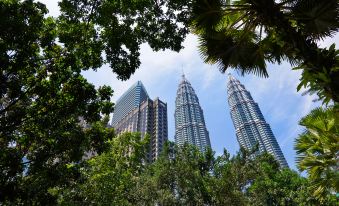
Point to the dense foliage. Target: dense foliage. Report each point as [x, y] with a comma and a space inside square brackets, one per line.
[44, 99]
[109, 179]
[191, 178]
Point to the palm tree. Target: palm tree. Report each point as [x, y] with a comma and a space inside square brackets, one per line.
[245, 34]
[318, 149]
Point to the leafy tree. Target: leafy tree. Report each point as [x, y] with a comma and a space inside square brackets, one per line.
[317, 148]
[110, 178]
[183, 180]
[285, 187]
[117, 28]
[231, 179]
[157, 184]
[245, 180]
[237, 180]
[245, 34]
[43, 94]
[191, 178]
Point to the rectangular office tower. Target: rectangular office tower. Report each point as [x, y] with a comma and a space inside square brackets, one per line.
[136, 112]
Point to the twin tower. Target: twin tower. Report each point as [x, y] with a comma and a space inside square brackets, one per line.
[136, 112]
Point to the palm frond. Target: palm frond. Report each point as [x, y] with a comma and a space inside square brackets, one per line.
[316, 19]
[206, 15]
[233, 49]
[317, 149]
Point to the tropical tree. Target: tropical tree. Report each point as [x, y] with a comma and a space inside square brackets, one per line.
[43, 95]
[120, 176]
[193, 178]
[245, 34]
[109, 178]
[318, 149]
[183, 180]
[285, 187]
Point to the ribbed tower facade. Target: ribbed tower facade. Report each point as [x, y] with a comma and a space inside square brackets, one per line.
[189, 118]
[250, 125]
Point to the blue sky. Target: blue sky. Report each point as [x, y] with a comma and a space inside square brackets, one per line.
[160, 72]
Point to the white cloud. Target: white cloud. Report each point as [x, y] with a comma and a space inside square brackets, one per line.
[156, 67]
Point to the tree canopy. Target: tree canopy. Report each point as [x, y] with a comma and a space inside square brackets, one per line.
[191, 178]
[43, 95]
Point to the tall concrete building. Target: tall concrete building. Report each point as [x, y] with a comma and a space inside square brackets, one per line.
[136, 112]
[250, 125]
[189, 118]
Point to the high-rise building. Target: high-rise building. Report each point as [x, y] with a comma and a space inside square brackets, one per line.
[189, 118]
[135, 112]
[131, 99]
[250, 125]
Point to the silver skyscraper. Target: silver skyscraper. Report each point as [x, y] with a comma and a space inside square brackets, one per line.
[250, 125]
[189, 118]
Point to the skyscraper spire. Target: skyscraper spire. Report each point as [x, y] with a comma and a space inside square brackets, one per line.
[250, 125]
[230, 77]
[189, 119]
[183, 73]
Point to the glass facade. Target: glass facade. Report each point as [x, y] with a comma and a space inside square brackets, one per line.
[148, 116]
[250, 125]
[189, 118]
[131, 99]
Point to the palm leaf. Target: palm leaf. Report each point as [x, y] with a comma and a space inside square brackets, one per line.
[317, 149]
[206, 15]
[316, 19]
[232, 49]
